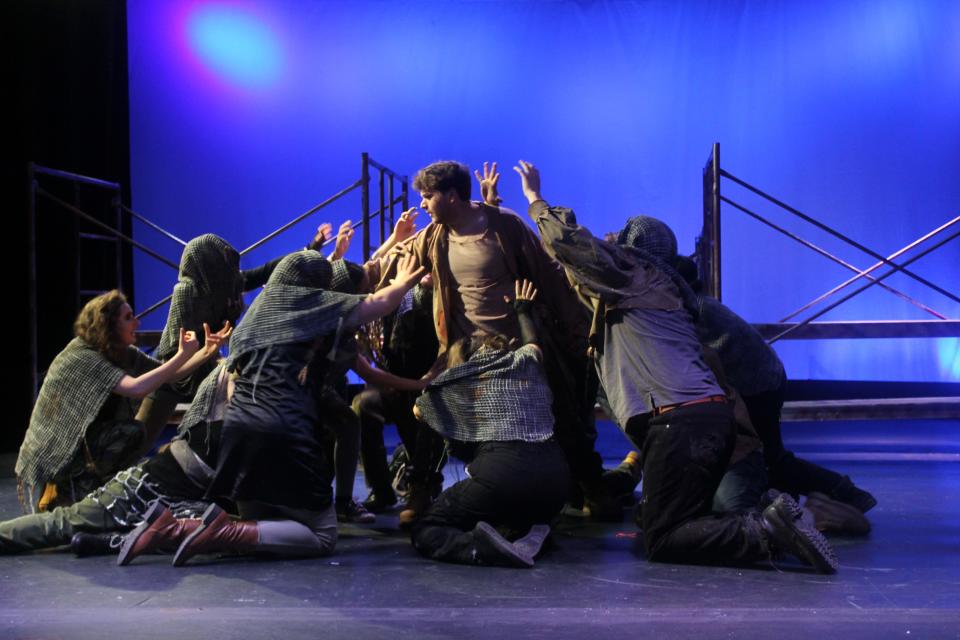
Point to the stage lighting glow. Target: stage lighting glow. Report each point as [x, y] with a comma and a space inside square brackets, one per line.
[948, 352]
[235, 44]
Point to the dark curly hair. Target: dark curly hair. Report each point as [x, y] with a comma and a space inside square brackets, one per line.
[96, 324]
[464, 348]
[443, 176]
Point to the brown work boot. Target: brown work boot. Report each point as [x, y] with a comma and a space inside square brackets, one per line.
[417, 504]
[159, 532]
[218, 532]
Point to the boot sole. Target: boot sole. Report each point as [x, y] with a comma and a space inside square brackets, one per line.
[180, 558]
[799, 538]
[151, 516]
[502, 546]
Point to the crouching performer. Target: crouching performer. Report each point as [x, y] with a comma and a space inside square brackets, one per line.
[271, 462]
[493, 405]
[175, 479]
[82, 430]
[663, 394]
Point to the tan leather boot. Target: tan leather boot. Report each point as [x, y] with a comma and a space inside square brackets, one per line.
[218, 532]
[159, 532]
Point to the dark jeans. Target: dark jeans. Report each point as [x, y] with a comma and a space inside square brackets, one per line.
[787, 472]
[512, 485]
[685, 454]
[742, 485]
[377, 407]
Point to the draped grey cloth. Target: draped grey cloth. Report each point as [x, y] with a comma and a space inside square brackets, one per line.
[77, 384]
[293, 307]
[496, 396]
[209, 290]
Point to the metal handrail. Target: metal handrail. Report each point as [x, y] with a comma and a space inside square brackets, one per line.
[876, 266]
[837, 234]
[73, 177]
[153, 225]
[861, 289]
[302, 216]
[832, 257]
[86, 216]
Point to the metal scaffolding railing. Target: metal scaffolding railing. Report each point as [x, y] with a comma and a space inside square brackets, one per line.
[709, 256]
[389, 182]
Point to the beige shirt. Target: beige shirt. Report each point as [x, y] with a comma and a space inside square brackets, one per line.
[481, 279]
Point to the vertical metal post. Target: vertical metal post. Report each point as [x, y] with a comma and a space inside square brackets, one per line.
[390, 195]
[383, 212]
[32, 279]
[118, 251]
[406, 194]
[78, 245]
[711, 223]
[365, 202]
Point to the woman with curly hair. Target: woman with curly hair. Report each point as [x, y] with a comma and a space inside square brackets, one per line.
[82, 429]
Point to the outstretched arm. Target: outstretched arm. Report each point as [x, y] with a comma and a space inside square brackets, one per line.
[144, 384]
[211, 346]
[382, 378]
[590, 261]
[384, 301]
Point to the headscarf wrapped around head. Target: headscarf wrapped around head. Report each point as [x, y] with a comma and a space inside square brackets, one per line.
[209, 289]
[654, 241]
[347, 276]
[294, 306]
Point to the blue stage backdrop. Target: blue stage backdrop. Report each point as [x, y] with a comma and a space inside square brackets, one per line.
[244, 114]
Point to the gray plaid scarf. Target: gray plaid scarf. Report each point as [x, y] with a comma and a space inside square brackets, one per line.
[653, 241]
[495, 396]
[293, 307]
[78, 383]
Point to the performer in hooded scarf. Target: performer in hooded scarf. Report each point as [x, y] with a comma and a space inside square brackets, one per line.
[82, 428]
[271, 462]
[209, 289]
[493, 405]
[649, 361]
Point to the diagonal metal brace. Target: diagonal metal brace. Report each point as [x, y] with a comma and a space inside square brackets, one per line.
[837, 234]
[836, 304]
[863, 274]
[830, 256]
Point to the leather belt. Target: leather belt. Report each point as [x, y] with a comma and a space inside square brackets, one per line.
[659, 411]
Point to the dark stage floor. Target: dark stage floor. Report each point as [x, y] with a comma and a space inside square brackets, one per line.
[903, 581]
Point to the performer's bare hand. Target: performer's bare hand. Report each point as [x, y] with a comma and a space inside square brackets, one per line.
[323, 235]
[407, 225]
[344, 236]
[524, 291]
[488, 183]
[529, 180]
[408, 273]
[212, 341]
[188, 342]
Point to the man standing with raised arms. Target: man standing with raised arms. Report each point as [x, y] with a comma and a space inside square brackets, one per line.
[476, 251]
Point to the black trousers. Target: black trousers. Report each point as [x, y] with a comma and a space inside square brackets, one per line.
[425, 448]
[685, 454]
[512, 486]
[788, 473]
